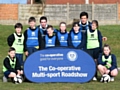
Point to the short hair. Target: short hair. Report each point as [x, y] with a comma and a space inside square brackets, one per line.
[11, 49]
[50, 26]
[32, 19]
[62, 23]
[83, 14]
[96, 22]
[18, 25]
[76, 23]
[43, 18]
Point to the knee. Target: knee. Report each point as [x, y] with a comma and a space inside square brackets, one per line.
[114, 73]
[12, 74]
[99, 67]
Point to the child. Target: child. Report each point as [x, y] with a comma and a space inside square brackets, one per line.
[16, 40]
[62, 34]
[43, 26]
[85, 24]
[94, 42]
[33, 38]
[11, 65]
[107, 63]
[76, 37]
[50, 40]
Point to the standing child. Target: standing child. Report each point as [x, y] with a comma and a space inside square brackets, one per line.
[16, 40]
[94, 42]
[51, 40]
[43, 26]
[11, 65]
[63, 34]
[107, 63]
[33, 38]
[76, 38]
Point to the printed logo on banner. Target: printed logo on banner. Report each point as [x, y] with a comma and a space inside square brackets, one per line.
[72, 56]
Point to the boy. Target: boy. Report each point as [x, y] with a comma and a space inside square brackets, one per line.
[50, 40]
[76, 38]
[16, 40]
[85, 24]
[43, 26]
[33, 38]
[11, 65]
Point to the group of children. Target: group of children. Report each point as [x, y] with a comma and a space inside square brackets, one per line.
[83, 35]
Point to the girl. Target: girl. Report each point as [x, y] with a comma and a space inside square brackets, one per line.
[76, 37]
[62, 34]
[94, 42]
[107, 63]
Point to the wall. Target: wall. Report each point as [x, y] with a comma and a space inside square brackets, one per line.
[104, 13]
[65, 1]
[9, 11]
[104, 1]
[81, 1]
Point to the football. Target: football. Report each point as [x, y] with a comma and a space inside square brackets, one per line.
[18, 79]
[105, 78]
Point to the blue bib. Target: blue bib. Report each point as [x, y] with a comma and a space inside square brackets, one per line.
[32, 39]
[63, 39]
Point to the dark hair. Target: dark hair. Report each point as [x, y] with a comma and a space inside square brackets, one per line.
[76, 23]
[96, 22]
[83, 14]
[106, 45]
[43, 18]
[50, 26]
[32, 19]
[11, 49]
[18, 25]
[62, 23]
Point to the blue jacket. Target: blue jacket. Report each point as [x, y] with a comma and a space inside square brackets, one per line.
[114, 62]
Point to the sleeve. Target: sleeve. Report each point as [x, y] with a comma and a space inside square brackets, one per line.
[40, 40]
[85, 42]
[100, 60]
[82, 44]
[17, 66]
[70, 40]
[55, 30]
[100, 40]
[25, 40]
[114, 62]
[10, 40]
[57, 43]
[6, 63]
[43, 39]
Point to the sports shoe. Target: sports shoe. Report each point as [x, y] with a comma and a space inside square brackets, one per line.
[112, 79]
[4, 79]
[94, 79]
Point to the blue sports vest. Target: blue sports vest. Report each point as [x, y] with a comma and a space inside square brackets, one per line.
[85, 27]
[32, 39]
[76, 38]
[63, 38]
[50, 42]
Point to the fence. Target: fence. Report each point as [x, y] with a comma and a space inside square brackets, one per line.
[104, 13]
